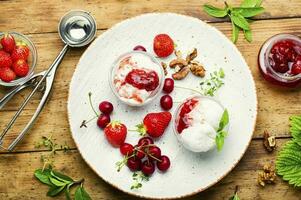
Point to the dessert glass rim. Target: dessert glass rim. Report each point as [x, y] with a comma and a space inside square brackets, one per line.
[266, 48]
[156, 91]
[34, 55]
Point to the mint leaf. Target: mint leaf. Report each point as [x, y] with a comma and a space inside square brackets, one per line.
[219, 140]
[240, 21]
[249, 12]
[81, 194]
[61, 177]
[235, 197]
[235, 32]
[223, 121]
[248, 35]
[56, 182]
[214, 11]
[251, 3]
[54, 191]
[43, 176]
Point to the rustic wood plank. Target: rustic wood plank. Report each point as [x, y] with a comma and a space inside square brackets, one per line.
[17, 173]
[41, 16]
[273, 113]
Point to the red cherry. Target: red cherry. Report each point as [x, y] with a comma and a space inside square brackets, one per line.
[154, 151]
[134, 164]
[147, 168]
[106, 107]
[168, 85]
[126, 149]
[164, 164]
[296, 68]
[139, 48]
[139, 152]
[166, 102]
[103, 120]
[145, 141]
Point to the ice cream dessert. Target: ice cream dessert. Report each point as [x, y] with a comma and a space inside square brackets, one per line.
[196, 123]
[136, 78]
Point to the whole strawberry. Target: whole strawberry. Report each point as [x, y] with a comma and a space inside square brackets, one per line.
[20, 68]
[20, 52]
[154, 124]
[5, 60]
[115, 133]
[7, 74]
[8, 43]
[163, 45]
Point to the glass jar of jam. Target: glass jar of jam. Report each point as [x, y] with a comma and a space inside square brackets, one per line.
[279, 60]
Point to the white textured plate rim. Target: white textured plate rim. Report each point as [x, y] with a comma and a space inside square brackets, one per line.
[191, 18]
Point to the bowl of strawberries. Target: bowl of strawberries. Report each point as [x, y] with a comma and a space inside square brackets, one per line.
[18, 58]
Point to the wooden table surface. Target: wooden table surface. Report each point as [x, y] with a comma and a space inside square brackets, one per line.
[39, 19]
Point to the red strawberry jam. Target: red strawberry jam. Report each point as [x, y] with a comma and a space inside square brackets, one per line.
[142, 79]
[186, 108]
[280, 60]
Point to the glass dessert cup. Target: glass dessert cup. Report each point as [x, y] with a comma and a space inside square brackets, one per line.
[32, 59]
[117, 77]
[209, 144]
[265, 60]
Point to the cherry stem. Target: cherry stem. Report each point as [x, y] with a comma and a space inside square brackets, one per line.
[188, 89]
[90, 101]
[148, 154]
[84, 123]
[132, 130]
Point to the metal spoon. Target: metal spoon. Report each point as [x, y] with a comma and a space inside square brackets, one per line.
[76, 28]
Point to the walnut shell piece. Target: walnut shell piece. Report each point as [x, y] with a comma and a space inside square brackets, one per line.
[197, 69]
[192, 55]
[164, 66]
[269, 142]
[179, 62]
[267, 176]
[181, 74]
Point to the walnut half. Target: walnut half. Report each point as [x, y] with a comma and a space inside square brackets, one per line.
[197, 69]
[181, 74]
[267, 176]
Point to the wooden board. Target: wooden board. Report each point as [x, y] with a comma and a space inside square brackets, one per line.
[39, 20]
[22, 185]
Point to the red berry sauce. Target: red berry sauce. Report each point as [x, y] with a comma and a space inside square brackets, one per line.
[280, 60]
[186, 108]
[142, 79]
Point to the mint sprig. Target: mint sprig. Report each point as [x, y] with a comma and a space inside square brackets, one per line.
[221, 133]
[213, 83]
[239, 16]
[59, 183]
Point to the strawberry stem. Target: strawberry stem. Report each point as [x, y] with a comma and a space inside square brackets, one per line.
[90, 102]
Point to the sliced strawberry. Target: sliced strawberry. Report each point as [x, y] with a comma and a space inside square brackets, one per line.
[21, 68]
[7, 74]
[115, 133]
[163, 45]
[5, 60]
[20, 52]
[154, 124]
[8, 43]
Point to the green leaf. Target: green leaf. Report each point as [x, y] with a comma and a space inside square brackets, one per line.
[235, 197]
[223, 121]
[43, 176]
[61, 176]
[81, 194]
[235, 32]
[214, 11]
[141, 129]
[251, 3]
[240, 21]
[295, 128]
[219, 140]
[56, 182]
[54, 191]
[248, 35]
[249, 12]
[288, 163]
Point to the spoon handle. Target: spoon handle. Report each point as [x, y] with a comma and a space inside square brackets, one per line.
[53, 66]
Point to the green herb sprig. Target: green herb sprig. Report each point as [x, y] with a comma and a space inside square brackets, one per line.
[235, 196]
[59, 183]
[221, 133]
[288, 163]
[138, 178]
[239, 16]
[212, 84]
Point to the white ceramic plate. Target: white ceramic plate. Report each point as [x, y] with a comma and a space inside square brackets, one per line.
[190, 172]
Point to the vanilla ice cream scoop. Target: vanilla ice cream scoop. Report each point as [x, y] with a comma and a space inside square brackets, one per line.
[196, 123]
